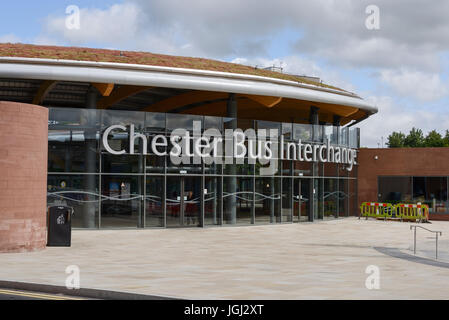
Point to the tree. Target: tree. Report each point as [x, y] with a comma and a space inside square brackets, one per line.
[446, 139]
[434, 139]
[415, 139]
[396, 140]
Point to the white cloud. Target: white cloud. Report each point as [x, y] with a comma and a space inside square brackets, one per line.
[9, 38]
[393, 116]
[300, 66]
[412, 33]
[408, 53]
[118, 24]
[415, 84]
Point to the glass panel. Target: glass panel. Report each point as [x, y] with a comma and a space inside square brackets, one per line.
[303, 132]
[238, 200]
[330, 198]
[118, 140]
[212, 201]
[353, 206]
[395, 189]
[301, 168]
[182, 121]
[287, 167]
[213, 169]
[287, 199]
[192, 201]
[154, 123]
[330, 169]
[73, 140]
[183, 201]
[271, 168]
[122, 201]
[174, 193]
[317, 194]
[317, 133]
[301, 200]
[354, 138]
[155, 164]
[431, 191]
[122, 164]
[79, 192]
[267, 201]
[154, 205]
[287, 131]
[352, 173]
[213, 123]
[343, 197]
[240, 169]
[183, 168]
[268, 125]
[344, 136]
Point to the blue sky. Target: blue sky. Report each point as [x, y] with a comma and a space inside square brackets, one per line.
[402, 67]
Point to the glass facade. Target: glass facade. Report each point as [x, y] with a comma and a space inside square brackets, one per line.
[432, 191]
[146, 190]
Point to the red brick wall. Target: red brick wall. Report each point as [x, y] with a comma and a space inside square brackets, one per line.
[398, 162]
[23, 176]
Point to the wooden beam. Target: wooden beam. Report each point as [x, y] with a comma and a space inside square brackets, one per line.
[216, 108]
[104, 88]
[343, 111]
[43, 90]
[185, 99]
[267, 101]
[118, 95]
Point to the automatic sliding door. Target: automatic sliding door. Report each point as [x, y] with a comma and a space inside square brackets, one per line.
[174, 201]
[301, 201]
[183, 201]
[192, 201]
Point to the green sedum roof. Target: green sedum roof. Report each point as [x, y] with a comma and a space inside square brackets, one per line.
[142, 58]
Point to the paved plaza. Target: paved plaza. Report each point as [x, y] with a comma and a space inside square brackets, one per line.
[321, 260]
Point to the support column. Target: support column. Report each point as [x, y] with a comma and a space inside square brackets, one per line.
[272, 189]
[141, 188]
[337, 124]
[90, 157]
[231, 112]
[314, 116]
[23, 176]
[315, 121]
[337, 121]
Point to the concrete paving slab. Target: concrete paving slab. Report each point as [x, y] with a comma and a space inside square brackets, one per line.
[322, 260]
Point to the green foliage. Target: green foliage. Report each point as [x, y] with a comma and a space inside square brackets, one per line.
[396, 140]
[446, 139]
[416, 139]
[434, 139]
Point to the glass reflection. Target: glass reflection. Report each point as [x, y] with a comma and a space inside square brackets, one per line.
[133, 193]
[72, 191]
[267, 200]
[122, 201]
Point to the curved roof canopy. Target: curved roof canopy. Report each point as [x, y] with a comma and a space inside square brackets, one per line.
[159, 83]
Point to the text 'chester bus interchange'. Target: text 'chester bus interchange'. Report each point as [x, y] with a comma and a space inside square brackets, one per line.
[135, 144]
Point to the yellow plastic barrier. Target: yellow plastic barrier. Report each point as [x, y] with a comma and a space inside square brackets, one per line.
[376, 210]
[412, 212]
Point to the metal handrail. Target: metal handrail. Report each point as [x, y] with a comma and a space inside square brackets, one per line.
[436, 239]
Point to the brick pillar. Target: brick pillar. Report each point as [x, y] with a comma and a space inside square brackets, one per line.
[23, 176]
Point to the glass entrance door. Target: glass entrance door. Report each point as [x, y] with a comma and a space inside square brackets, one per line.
[301, 194]
[183, 202]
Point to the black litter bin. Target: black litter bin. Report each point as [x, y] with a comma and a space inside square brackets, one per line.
[59, 226]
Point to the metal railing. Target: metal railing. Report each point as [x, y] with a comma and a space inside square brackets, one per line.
[436, 239]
